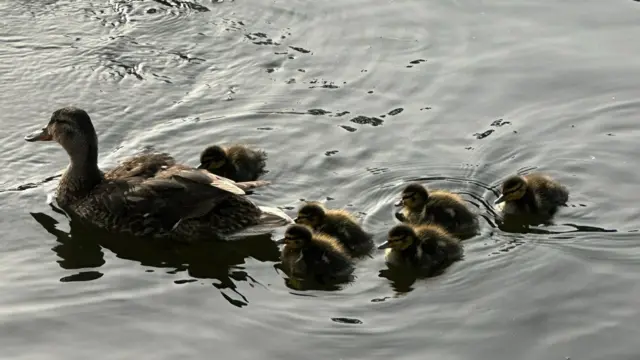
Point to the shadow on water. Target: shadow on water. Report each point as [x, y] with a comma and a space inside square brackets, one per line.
[82, 247]
[314, 283]
[402, 278]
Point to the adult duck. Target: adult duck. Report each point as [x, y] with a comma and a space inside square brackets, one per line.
[176, 202]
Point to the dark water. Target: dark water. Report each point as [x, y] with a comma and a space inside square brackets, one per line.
[351, 99]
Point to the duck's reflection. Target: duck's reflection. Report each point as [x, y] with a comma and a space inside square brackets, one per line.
[82, 247]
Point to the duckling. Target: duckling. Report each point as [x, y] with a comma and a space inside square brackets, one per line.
[420, 206]
[317, 255]
[428, 247]
[339, 224]
[533, 195]
[236, 162]
[177, 203]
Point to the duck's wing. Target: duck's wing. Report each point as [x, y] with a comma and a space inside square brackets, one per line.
[201, 177]
[142, 165]
[162, 202]
[250, 185]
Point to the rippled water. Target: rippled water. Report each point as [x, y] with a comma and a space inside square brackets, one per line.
[351, 99]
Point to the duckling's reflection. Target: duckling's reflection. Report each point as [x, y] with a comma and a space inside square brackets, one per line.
[402, 278]
[307, 283]
[531, 225]
[81, 248]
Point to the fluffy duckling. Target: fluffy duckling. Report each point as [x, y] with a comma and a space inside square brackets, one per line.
[420, 206]
[236, 162]
[427, 247]
[318, 255]
[533, 195]
[339, 224]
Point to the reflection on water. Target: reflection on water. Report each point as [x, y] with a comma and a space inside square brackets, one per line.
[352, 100]
[82, 247]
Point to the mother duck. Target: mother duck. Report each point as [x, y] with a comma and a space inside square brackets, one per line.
[176, 203]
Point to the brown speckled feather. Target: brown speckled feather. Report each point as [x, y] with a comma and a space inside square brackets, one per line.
[143, 165]
[167, 206]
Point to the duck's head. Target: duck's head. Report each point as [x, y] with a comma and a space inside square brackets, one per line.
[399, 237]
[213, 157]
[311, 214]
[296, 237]
[414, 196]
[70, 127]
[513, 188]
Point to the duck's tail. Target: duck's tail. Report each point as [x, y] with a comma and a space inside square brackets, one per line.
[271, 220]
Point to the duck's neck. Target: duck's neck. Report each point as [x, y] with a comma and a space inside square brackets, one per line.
[81, 176]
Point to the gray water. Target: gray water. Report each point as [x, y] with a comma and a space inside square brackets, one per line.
[457, 94]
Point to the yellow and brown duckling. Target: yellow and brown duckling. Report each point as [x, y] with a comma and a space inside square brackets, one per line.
[307, 254]
[339, 224]
[427, 247]
[236, 162]
[419, 206]
[177, 202]
[532, 195]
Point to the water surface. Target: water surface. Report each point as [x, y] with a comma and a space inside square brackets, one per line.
[352, 99]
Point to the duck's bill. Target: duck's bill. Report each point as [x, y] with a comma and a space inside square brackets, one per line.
[296, 220]
[40, 135]
[384, 245]
[280, 241]
[499, 200]
[398, 203]
[201, 166]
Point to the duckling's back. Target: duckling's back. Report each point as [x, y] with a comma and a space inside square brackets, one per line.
[450, 211]
[249, 163]
[549, 193]
[325, 255]
[142, 165]
[439, 244]
[344, 227]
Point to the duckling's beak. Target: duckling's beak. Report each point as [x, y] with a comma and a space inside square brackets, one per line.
[399, 203]
[280, 241]
[201, 166]
[40, 135]
[500, 199]
[296, 220]
[384, 245]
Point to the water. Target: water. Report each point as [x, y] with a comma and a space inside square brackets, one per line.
[505, 86]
